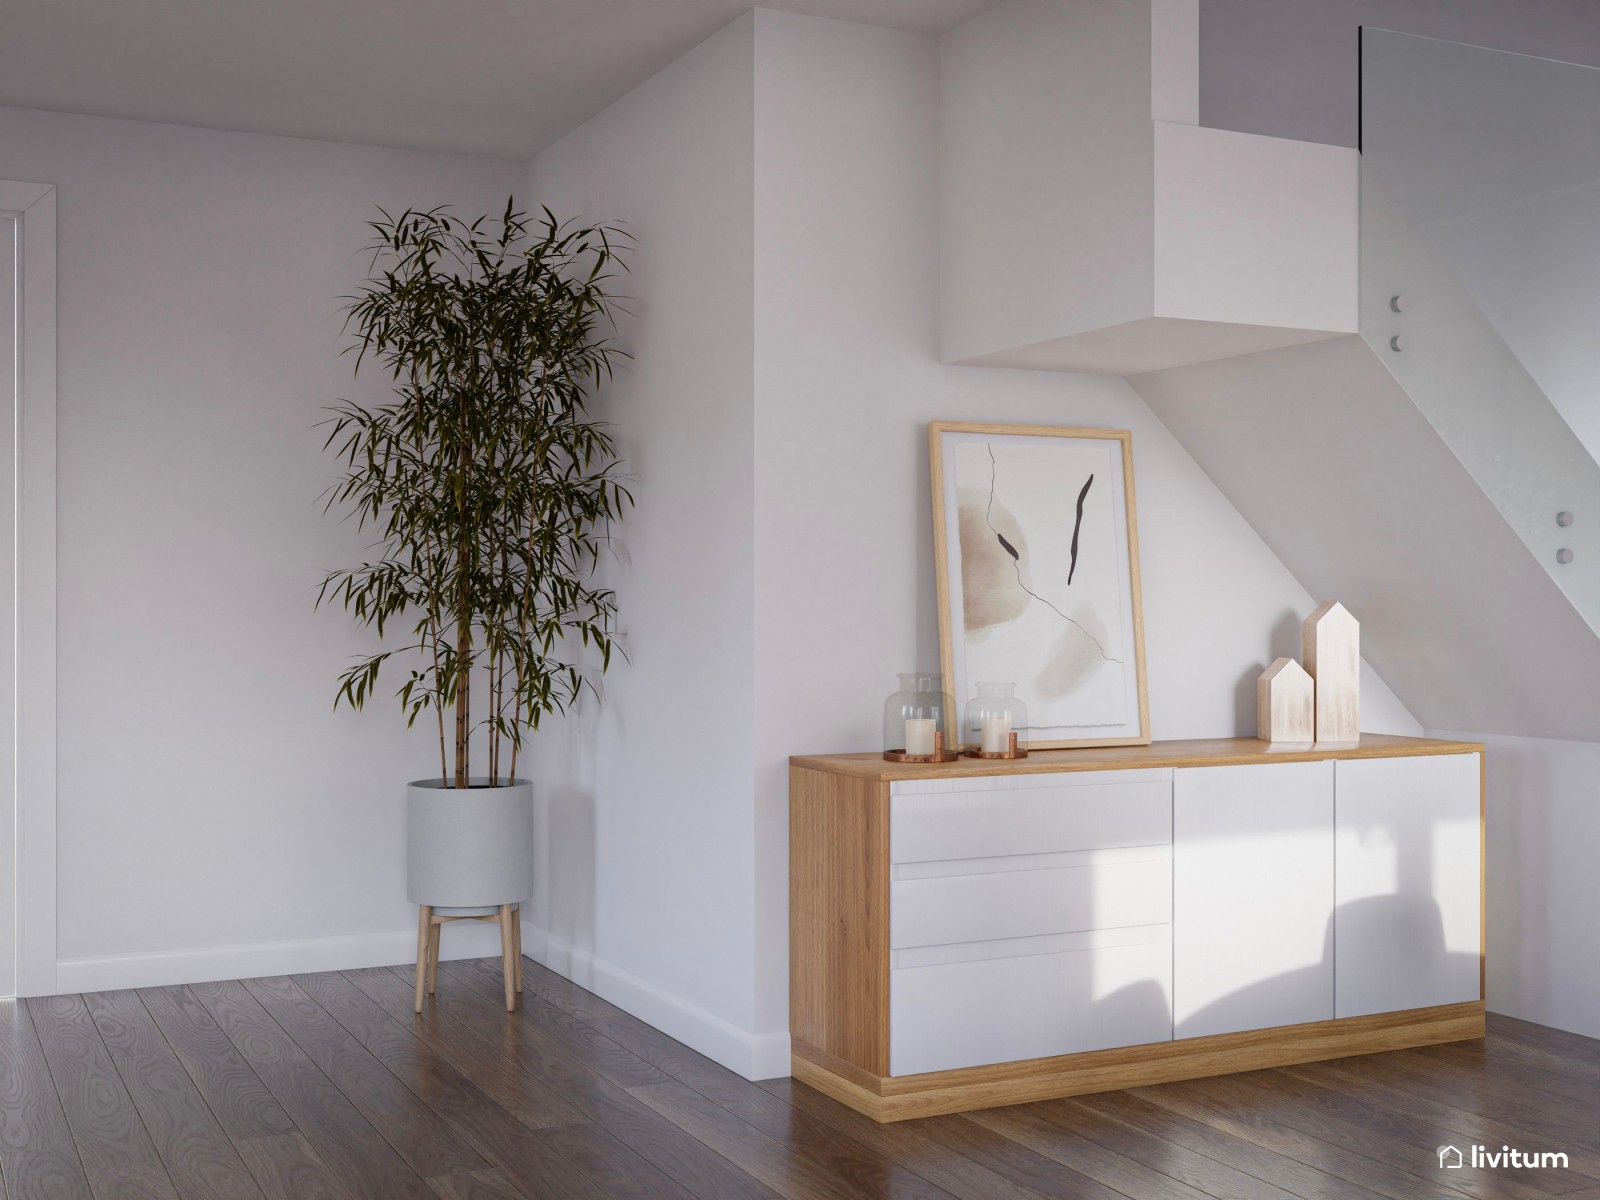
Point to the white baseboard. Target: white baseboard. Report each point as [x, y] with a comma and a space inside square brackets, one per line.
[755, 1056]
[252, 960]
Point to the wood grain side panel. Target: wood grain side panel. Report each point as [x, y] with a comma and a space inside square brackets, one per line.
[839, 916]
[943, 1092]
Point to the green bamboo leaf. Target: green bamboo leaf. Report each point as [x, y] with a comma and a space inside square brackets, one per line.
[489, 490]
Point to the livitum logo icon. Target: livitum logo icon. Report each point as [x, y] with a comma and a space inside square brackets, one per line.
[1453, 1158]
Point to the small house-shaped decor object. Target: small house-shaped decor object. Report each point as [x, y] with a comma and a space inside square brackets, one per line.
[1331, 643]
[1286, 706]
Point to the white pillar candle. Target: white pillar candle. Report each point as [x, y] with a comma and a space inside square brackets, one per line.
[919, 735]
[996, 734]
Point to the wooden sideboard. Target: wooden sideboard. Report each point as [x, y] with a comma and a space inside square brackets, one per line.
[979, 933]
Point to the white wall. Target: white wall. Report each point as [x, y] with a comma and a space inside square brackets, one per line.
[847, 376]
[647, 848]
[1030, 253]
[8, 763]
[207, 797]
[1543, 892]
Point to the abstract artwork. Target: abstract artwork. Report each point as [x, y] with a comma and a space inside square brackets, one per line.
[1038, 566]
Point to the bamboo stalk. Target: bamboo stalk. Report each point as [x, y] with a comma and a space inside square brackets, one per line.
[433, 587]
[527, 584]
[463, 587]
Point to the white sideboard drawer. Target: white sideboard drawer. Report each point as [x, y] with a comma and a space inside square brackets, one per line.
[1000, 1010]
[934, 819]
[987, 905]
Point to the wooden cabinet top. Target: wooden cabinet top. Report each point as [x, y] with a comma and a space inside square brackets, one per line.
[1211, 752]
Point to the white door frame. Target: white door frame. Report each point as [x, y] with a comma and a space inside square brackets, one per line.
[29, 810]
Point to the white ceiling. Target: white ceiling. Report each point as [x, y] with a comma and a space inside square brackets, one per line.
[495, 77]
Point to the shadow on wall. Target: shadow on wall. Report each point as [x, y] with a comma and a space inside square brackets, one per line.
[564, 836]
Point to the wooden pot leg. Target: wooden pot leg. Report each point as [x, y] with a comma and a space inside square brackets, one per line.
[433, 957]
[516, 930]
[508, 964]
[424, 934]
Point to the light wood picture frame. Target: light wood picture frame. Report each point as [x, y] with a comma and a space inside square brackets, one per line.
[1038, 577]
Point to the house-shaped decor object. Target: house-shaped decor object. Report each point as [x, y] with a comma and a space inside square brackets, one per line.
[1331, 650]
[1286, 706]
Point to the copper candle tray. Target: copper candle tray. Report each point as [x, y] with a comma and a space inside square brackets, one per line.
[1011, 750]
[939, 755]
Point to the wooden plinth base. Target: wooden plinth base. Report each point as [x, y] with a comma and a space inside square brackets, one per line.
[900, 1098]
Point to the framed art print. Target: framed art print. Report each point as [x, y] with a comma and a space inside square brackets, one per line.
[1037, 551]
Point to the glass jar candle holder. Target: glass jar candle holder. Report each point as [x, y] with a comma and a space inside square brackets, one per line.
[914, 722]
[995, 724]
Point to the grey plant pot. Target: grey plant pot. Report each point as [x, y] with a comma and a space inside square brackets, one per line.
[469, 847]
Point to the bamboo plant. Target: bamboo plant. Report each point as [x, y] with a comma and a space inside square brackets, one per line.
[488, 486]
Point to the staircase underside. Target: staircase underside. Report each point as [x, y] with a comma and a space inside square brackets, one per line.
[1147, 344]
[1323, 452]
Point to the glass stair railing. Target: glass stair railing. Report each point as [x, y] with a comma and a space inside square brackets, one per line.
[1480, 276]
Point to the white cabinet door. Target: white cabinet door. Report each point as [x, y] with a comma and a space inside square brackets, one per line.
[1252, 871]
[1407, 885]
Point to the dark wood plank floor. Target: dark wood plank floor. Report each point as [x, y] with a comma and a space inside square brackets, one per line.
[326, 1087]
